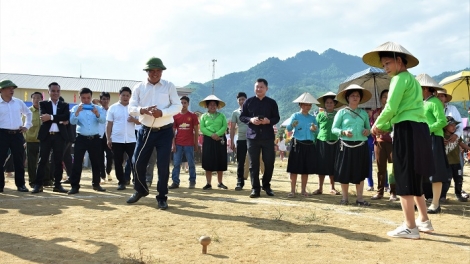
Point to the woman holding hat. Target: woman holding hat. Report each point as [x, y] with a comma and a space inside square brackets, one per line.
[302, 152]
[352, 126]
[412, 142]
[327, 143]
[214, 146]
[436, 120]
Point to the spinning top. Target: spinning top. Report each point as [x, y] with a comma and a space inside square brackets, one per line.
[205, 241]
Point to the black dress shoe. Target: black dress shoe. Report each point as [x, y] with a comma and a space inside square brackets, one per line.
[99, 188]
[162, 205]
[37, 189]
[239, 187]
[48, 183]
[174, 186]
[59, 189]
[135, 197]
[74, 190]
[66, 181]
[269, 191]
[22, 189]
[121, 187]
[435, 211]
[254, 194]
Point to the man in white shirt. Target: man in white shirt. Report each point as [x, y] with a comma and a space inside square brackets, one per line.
[120, 133]
[155, 102]
[106, 154]
[11, 131]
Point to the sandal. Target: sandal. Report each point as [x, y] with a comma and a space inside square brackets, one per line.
[363, 203]
[393, 198]
[465, 195]
[377, 197]
[343, 202]
[305, 194]
[335, 192]
[290, 195]
[316, 192]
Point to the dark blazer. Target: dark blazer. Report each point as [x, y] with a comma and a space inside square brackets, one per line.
[63, 114]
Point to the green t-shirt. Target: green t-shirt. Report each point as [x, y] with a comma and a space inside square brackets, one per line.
[435, 115]
[404, 103]
[354, 121]
[213, 123]
[242, 127]
[325, 123]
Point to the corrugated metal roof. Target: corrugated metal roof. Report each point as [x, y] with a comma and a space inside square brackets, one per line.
[73, 83]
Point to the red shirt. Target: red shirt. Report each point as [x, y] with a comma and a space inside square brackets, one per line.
[184, 125]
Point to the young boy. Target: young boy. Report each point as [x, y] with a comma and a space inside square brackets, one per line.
[453, 156]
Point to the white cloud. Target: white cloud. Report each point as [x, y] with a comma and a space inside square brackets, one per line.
[112, 39]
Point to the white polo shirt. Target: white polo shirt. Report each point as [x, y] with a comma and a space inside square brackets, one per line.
[123, 131]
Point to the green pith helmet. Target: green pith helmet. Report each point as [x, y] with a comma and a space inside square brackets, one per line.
[154, 63]
[7, 83]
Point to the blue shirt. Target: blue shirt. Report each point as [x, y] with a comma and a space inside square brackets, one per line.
[302, 130]
[86, 121]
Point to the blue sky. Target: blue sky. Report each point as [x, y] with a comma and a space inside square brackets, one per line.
[113, 39]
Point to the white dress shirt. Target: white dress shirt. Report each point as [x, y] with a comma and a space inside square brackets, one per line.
[123, 131]
[54, 127]
[452, 111]
[11, 112]
[102, 127]
[163, 95]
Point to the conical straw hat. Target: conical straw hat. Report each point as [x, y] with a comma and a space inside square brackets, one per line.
[372, 58]
[211, 98]
[426, 81]
[448, 96]
[321, 100]
[306, 98]
[366, 95]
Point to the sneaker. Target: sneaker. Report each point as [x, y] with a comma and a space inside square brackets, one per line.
[461, 199]
[424, 226]
[222, 186]
[207, 187]
[192, 185]
[174, 186]
[404, 232]
[370, 189]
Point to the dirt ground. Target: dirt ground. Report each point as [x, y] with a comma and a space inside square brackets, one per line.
[94, 227]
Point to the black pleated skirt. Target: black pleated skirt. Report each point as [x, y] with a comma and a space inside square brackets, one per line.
[214, 155]
[412, 157]
[441, 165]
[352, 164]
[302, 158]
[326, 157]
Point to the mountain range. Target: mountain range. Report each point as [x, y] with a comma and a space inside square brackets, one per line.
[307, 71]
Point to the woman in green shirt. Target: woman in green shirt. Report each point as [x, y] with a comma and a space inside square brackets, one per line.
[352, 126]
[411, 138]
[214, 146]
[436, 120]
[327, 142]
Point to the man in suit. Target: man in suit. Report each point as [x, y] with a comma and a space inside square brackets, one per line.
[52, 135]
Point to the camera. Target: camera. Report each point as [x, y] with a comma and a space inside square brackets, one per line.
[87, 107]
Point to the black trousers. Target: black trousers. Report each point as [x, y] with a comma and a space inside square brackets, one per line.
[241, 156]
[118, 151]
[109, 158]
[68, 158]
[266, 147]
[14, 141]
[92, 144]
[55, 143]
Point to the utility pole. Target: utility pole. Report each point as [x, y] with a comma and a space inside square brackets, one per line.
[213, 73]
